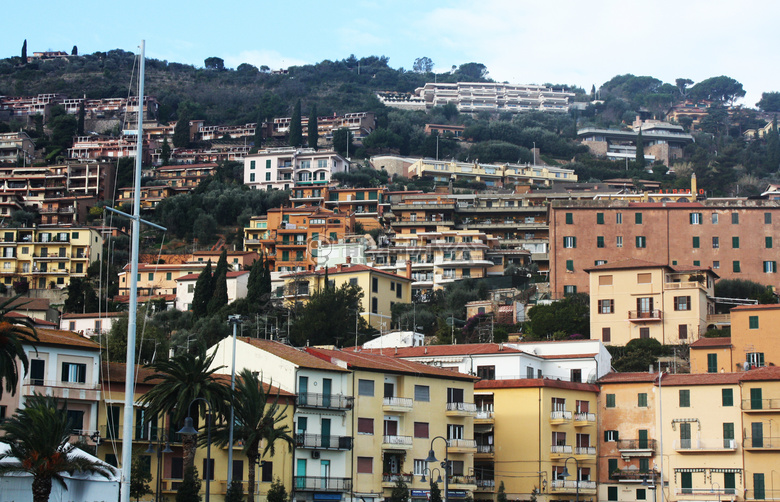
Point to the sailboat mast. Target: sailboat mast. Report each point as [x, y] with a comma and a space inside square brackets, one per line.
[127, 426]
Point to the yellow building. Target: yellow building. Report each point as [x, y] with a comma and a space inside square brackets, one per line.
[47, 258]
[381, 289]
[760, 412]
[531, 430]
[401, 409]
[712, 355]
[638, 299]
[158, 279]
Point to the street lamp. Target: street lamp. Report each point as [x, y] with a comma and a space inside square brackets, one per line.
[160, 450]
[235, 320]
[430, 472]
[649, 486]
[188, 429]
[565, 474]
[445, 465]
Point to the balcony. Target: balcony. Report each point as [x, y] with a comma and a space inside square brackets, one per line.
[52, 257]
[704, 445]
[397, 442]
[762, 495]
[319, 483]
[633, 475]
[462, 482]
[462, 445]
[485, 450]
[584, 452]
[461, 409]
[484, 417]
[320, 442]
[486, 485]
[584, 419]
[560, 417]
[140, 434]
[562, 486]
[223, 486]
[636, 447]
[761, 405]
[62, 390]
[705, 493]
[757, 444]
[326, 401]
[398, 404]
[560, 450]
[644, 316]
[390, 480]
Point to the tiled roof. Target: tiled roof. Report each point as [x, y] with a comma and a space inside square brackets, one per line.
[115, 373]
[763, 373]
[630, 377]
[706, 343]
[446, 350]
[626, 264]
[375, 362]
[28, 303]
[93, 315]
[291, 354]
[771, 306]
[684, 380]
[63, 338]
[534, 383]
[170, 259]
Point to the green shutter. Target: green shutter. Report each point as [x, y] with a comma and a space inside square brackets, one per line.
[600, 218]
[753, 322]
[612, 465]
[758, 486]
[735, 242]
[610, 400]
[712, 363]
[768, 242]
[727, 397]
[600, 241]
[569, 218]
[735, 266]
[685, 398]
[642, 400]
[695, 242]
[638, 218]
[570, 265]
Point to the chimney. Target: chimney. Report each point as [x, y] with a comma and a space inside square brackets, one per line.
[349, 260]
[340, 267]
[408, 269]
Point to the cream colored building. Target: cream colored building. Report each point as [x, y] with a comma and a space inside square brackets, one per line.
[638, 299]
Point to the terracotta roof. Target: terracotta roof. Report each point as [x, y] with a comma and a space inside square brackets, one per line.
[706, 343]
[225, 378]
[192, 277]
[218, 253]
[27, 303]
[447, 350]
[765, 306]
[763, 373]
[684, 380]
[376, 362]
[626, 264]
[291, 354]
[63, 338]
[534, 383]
[115, 373]
[92, 315]
[630, 377]
[350, 269]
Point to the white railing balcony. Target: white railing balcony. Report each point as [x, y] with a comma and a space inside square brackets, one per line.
[585, 450]
[560, 415]
[560, 448]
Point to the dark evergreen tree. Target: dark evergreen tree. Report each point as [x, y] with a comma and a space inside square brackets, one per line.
[773, 148]
[259, 132]
[181, 133]
[74, 51]
[640, 150]
[203, 290]
[189, 489]
[80, 123]
[400, 491]
[234, 492]
[296, 130]
[220, 295]
[314, 133]
[140, 476]
[435, 491]
[24, 52]
[501, 497]
[165, 153]
[259, 283]
[277, 492]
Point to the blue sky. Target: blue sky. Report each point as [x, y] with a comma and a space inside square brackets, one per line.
[561, 41]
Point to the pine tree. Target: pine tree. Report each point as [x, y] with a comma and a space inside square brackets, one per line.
[203, 291]
[165, 153]
[640, 150]
[400, 491]
[233, 493]
[189, 489]
[259, 132]
[24, 52]
[501, 497]
[435, 491]
[296, 131]
[277, 492]
[219, 280]
[314, 133]
[140, 475]
[259, 283]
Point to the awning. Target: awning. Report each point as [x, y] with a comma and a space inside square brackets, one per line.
[696, 469]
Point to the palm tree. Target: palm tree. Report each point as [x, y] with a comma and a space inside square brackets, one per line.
[14, 332]
[177, 383]
[258, 418]
[38, 439]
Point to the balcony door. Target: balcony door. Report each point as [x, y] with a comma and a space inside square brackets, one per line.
[325, 432]
[303, 386]
[642, 439]
[324, 473]
[685, 435]
[644, 307]
[327, 385]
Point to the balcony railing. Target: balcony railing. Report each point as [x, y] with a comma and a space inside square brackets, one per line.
[704, 444]
[633, 475]
[706, 491]
[330, 401]
[563, 485]
[462, 443]
[762, 442]
[319, 441]
[394, 478]
[486, 448]
[34, 382]
[761, 404]
[398, 402]
[462, 407]
[645, 315]
[397, 440]
[560, 415]
[636, 444]
[584, 417]
[560, 449]
[462, 480]
[484, 415]
[486, 484]
[762, 494]
[585, 450]
[318, 483]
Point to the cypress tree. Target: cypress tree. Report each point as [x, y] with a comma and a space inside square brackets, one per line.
[24, 52]
[640, 149]
[165, 153]
[181, 133]
[74, 51]
[203, 291]
[296, 131]
[314, 133]
[219, 280]
[189, 490]
[80, 125]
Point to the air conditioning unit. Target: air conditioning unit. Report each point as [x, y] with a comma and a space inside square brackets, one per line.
[315, 454]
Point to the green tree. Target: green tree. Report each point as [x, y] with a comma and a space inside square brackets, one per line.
[277, 492]
[682, 85]
[637, 355]
[38, 439]
[773, 147]
[81, 297]
[501, 497]
[235, 491]
[569, 315]
[140, 476]
[342, 141]
[259, 283]
[203, 290]
[640, 150]
[435, 491]
[74, 51]
[14, 332]
[177, 383]
[165, 153]
[181, 133]
[742, 288]
[770, 102]
[259, 419]
[313, 128]
[296, 130]
[24, 52]
[151, 343]
[214, 63]
[80, 123]
[219, 296]
[422, 65]
[723, 89]
[189, 489]
[472, 72]
[400, 491]
[327, 317]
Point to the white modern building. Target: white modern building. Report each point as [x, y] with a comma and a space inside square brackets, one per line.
[284, 168]
[90, 324]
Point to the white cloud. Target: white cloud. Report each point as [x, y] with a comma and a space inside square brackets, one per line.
[258, 58]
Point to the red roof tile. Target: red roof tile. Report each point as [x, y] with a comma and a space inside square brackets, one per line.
[628, 377]
[534, 383]
[763, 373]
[293, 355]
[771, 306]
[24, 303]
[706, 343]
[63, 338]
[684, 380]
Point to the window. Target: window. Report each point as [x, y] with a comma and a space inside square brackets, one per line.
[422, 393]
[606, 306]
[715, 243]
[735, 242]
[421, 430]
[770, 267]
[641, 400]
[454, 431]
[735, 266]
[75, 420]
[619, 241]
[267, 176]
[695, 218]
[716, 264]
[569, 290]
[208, 469]
[682, 303]
[768, 242]
[420, 466]
[599, 218]
[606, 335]
[641, 493]
[569, 218]
[611, 436]
[267, 475]
[714, 218]
[638, 218]
[365, 465]
[151, 276]
[618, 218]
[365, 425]
[600, 262]
[695, 242]
[74, 372]
[374, 305]
[753, 322]
[610, 400]
[644, 278]
[755, 359]
[365, 387]
[605, 280]
[759, 493]
[641, 241]
[735, 218]
[569, 242]
[685, 398]
[644, 333]
[728, 435]
[398, 291]
[374, 284]
[600, 241]
[612, 493]
[454, 395]
[727, 397]
[252, 177]
[486, 372]
[575, 375]
[712, 363]
[696, 263]
[767, 218]
[570, 265]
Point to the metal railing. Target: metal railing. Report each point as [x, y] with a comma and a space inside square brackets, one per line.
[402, 402]
[705, 444]
[560, 484]
[706, 491]
[397, 440]
[35, 382]
[332, 401]
[323, 442]
[585, 450]
[485, 484]
[761, 404]
[462, 480]
[762, 494]
[467, 407]
[394, 478]
[762, 442]
[486, 448]
[560, 415]
[560, 448]
[636, 444]
[584, 417]
[310, 483]
[484, 415]
[461, 443]
[656, 314]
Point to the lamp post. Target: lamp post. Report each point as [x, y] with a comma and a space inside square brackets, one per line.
[188, 429]
[566, 474]
[649, 486]
[445, 465]
[430, 472]
[235, 320]
[160, 439]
